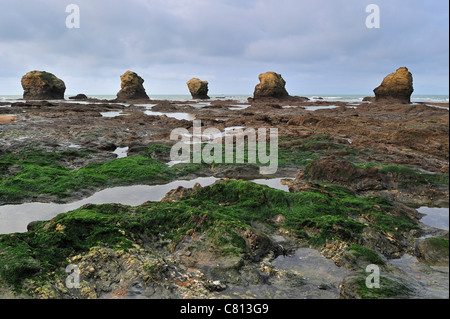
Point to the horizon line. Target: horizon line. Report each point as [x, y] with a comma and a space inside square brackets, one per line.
[237, 94]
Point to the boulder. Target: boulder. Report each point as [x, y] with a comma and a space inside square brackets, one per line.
[333, 170]
[41, 85]
[131, 87]
[271, 85]
[198, 88]
[433, 251]
[78, 97]
[369, 99]
[396, 87]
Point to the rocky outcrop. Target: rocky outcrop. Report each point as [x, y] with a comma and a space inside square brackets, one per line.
[78, 97]
[342, 172]
[131, 87]
[271, 85]
[369, 99]
[396, 87]
[198, 88]
[41, 85]
[433, 251]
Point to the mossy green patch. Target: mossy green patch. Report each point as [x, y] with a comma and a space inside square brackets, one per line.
[408, 176]
[37, 157]
[222, 212]
[389, 288]
[440, 243]
[43, 173]
[46, 77]
[326, 209]
[16, 260]
[369, 254]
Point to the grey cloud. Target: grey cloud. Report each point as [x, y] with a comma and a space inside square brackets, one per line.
[315, 43]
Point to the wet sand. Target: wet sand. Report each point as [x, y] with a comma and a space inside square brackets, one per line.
[6, 119]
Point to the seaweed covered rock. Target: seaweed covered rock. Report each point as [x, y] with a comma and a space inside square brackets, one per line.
[198, 88]
[341, 172]
[433, 251]
[391, 287]
[215, 232]
[365, 176]
[131, 87]
[396, 87]
[41, 85]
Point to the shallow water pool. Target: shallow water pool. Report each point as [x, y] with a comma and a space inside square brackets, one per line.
[435, 217]
[15, 218]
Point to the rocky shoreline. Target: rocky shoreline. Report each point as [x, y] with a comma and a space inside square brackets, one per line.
[358, 171]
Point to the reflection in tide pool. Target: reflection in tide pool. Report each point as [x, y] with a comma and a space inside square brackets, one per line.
[121, 152]
[313, 266]
[178, 116]
[435, 217]
[112, 114]
[15, 218]
[307, 275]
[273, 183]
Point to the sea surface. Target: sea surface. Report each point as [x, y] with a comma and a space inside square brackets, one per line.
[243, 98]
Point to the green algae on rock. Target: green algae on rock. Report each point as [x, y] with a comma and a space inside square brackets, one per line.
[210, 228]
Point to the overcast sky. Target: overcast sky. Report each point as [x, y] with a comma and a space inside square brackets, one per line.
[318, 46]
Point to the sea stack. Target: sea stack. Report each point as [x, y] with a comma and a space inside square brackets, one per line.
[272, 85]
[198, 89]
[131, 87]
[396, 87]
[41, 85]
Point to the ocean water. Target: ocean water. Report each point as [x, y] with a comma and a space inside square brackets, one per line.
[243, 98]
